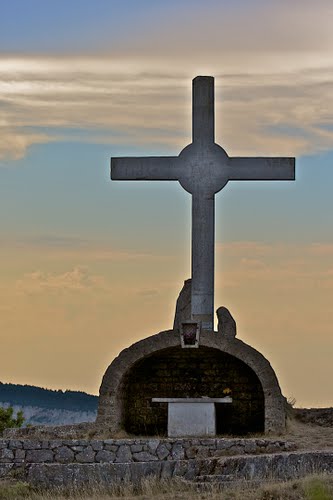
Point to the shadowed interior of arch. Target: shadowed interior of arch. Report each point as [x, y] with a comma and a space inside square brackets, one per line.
[176, 372]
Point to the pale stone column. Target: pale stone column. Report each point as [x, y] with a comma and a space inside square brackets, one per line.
[203, 118]
[203, 236]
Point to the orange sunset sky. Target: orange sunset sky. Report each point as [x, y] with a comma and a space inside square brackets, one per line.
[89, 266]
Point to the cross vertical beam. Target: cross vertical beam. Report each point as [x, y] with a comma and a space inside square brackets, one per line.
[203, 236]
[203, 119]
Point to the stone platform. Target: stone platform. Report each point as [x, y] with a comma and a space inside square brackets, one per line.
[85, 463]
[224, 471]
[25, 451]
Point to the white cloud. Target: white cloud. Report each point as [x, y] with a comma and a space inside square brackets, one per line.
[288, 113]
[274, 67]
[76, 280]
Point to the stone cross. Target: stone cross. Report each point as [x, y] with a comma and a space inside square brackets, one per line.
[202, 168]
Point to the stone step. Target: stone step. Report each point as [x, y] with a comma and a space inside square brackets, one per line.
[210, 471]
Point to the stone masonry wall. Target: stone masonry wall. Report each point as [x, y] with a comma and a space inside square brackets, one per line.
[111, 411]
[22, 452]
[193, 373]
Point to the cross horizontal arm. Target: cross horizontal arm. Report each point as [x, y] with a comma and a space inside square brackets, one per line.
[262, 169]
[151, 168]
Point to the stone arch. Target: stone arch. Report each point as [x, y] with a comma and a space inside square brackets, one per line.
[114, 390]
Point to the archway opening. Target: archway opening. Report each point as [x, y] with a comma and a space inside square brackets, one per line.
[176, 372]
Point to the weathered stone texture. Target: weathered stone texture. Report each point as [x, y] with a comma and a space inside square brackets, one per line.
[51, 432]
[129, 450]
[6, 455]
[158, 367]
[144, 456]
[87, 455]
[183, 306]
[265, 467]
[39, 456]
[20, 455]
[177, 372]
[5, 469]
[64, 454]
[105, 456]
[124, 454]
[226, 323]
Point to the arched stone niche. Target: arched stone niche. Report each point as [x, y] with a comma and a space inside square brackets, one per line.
[158, 367]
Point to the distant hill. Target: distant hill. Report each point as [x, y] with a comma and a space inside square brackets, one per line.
[49, 407]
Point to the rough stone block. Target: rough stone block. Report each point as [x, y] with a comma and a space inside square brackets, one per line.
[19, 454]
[191, 452]
[39, 456]
[14, 444]
[162, 452]
[124, 454]
[71, 442]
[77, 448]
[135, 448]
[111, 447]
[86, 456]
[5, 469]
[55, 444]
[250, 447]
[144, 456]
[203, 452]
[64, 454]
[153, 444]
[97, 445]
[31, 445]
[6, 455]
[105, 456]
[140, 470]
[177, 452]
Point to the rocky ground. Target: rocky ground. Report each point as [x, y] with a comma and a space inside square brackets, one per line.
[317, 416]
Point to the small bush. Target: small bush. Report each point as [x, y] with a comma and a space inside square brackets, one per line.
[7, 419]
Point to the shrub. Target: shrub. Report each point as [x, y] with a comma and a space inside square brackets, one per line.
[7, 419]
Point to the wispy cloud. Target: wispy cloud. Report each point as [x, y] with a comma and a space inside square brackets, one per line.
[76, 280]
[274, 83]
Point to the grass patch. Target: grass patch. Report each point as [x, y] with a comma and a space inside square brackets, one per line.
[15, 490]
[319, 487]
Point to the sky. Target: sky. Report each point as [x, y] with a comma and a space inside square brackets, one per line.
[89, 266]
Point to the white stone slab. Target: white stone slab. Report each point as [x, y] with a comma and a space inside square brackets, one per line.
[226, 399]
[191, 419]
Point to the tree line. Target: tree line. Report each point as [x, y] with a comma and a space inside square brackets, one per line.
[29, 395]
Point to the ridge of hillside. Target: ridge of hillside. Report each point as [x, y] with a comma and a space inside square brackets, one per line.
[29, 395]
[42, 406]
